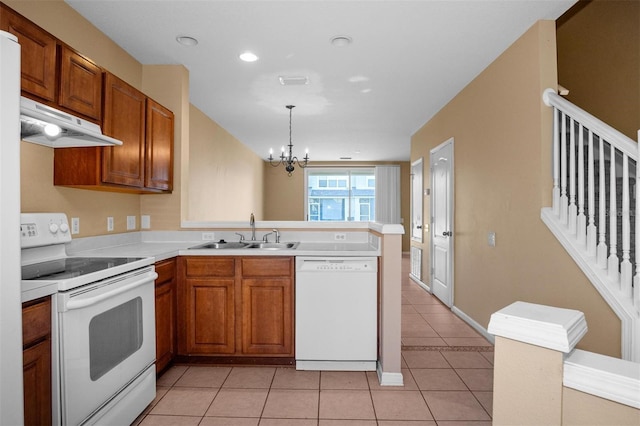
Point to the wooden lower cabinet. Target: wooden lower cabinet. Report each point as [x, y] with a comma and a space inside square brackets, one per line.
[36, 361]
[267, 306]
[236, 306]
[165, 288]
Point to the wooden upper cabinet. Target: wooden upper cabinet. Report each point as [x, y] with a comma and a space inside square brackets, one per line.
[159, 147]
[80, 84]
[38, 59]
[124, 119]
[144, 161]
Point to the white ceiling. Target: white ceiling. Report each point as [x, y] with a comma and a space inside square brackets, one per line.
[364, 101]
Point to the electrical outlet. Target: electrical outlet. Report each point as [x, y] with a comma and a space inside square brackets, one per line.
[145, 221]
[75, 225]
[131, 223]
[340, 236]
[208, 236]
[109, 224]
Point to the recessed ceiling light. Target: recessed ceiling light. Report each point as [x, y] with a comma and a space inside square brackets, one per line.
[187, 40]
[248, 57]
[341, 41]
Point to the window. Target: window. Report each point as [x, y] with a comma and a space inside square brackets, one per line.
[340, 194]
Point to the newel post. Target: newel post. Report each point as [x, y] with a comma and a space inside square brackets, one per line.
[531, 341]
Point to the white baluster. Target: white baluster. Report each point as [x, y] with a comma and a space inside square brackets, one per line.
[581, 230]
[564, 201]
[591, 227]
[573, 210]
[556, 163]
[625, 265]
[602, 220]
[612, 266]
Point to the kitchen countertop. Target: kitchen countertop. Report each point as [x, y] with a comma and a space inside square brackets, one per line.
[165, 250]
[163, 245]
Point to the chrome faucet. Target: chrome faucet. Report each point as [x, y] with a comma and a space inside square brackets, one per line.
[275, 231]
[252, 223]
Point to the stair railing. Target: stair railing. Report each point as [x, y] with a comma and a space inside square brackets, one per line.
[595, 179]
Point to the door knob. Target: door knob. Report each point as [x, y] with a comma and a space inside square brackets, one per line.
[447, 233]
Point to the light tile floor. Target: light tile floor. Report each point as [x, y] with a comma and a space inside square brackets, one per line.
[447, 369]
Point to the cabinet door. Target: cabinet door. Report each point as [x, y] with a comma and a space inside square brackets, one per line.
[80, 84]
[124, 119]
[165, 313]
[159, 147]
[206, 305]
[36, 362]
[38, 59]
[267, 316]
[210, 316]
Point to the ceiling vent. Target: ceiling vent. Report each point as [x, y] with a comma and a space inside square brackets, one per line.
[294, 81]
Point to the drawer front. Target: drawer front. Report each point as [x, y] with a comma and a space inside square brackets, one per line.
[166, 270]
[268, 266]
[210, 267]
[36, 321]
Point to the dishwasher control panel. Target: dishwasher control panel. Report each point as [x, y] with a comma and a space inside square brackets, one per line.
[335, 264]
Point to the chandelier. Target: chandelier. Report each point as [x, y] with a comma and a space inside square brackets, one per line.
[287, 159]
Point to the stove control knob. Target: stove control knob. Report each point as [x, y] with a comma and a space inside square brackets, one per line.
[53, 228]
[64, 228]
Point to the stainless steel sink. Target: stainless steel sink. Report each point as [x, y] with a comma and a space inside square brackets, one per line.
[246, 245]
[274, 246]
[221, 245]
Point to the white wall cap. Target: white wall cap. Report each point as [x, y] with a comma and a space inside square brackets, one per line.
[553, 328]
[610, 378]
[387, 228]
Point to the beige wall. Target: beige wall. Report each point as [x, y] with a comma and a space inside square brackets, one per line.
[599, 61]
[225, 177]
[284, 194]
[579, 409]
[502, 179]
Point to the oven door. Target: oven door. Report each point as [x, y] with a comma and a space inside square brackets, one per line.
[107, 339]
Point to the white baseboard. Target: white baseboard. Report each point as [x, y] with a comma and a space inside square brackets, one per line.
[389, 379]
[420, 283]
[475, 325]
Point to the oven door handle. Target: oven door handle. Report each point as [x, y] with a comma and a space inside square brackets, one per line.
[89, 301]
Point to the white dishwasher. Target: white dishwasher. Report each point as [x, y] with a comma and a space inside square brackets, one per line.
[336, 313]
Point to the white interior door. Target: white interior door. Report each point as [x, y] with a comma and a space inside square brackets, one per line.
[442, 222]
[416, 200]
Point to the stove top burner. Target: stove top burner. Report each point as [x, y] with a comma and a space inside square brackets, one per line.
[70, 267]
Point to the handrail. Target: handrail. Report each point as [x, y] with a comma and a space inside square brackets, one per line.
[611, 135]
[591, 217]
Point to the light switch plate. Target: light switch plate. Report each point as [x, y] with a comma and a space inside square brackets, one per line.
[145, 221]
[131, 223]
[109, 224]
[491, 239]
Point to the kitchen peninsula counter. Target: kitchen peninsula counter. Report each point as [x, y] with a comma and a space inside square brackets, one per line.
[163, 245]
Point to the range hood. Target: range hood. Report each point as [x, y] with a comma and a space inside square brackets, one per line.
[48, 126]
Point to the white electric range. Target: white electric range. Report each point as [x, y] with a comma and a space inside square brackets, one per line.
[103, 324]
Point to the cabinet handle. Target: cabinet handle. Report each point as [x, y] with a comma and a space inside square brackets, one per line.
[447, 233]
